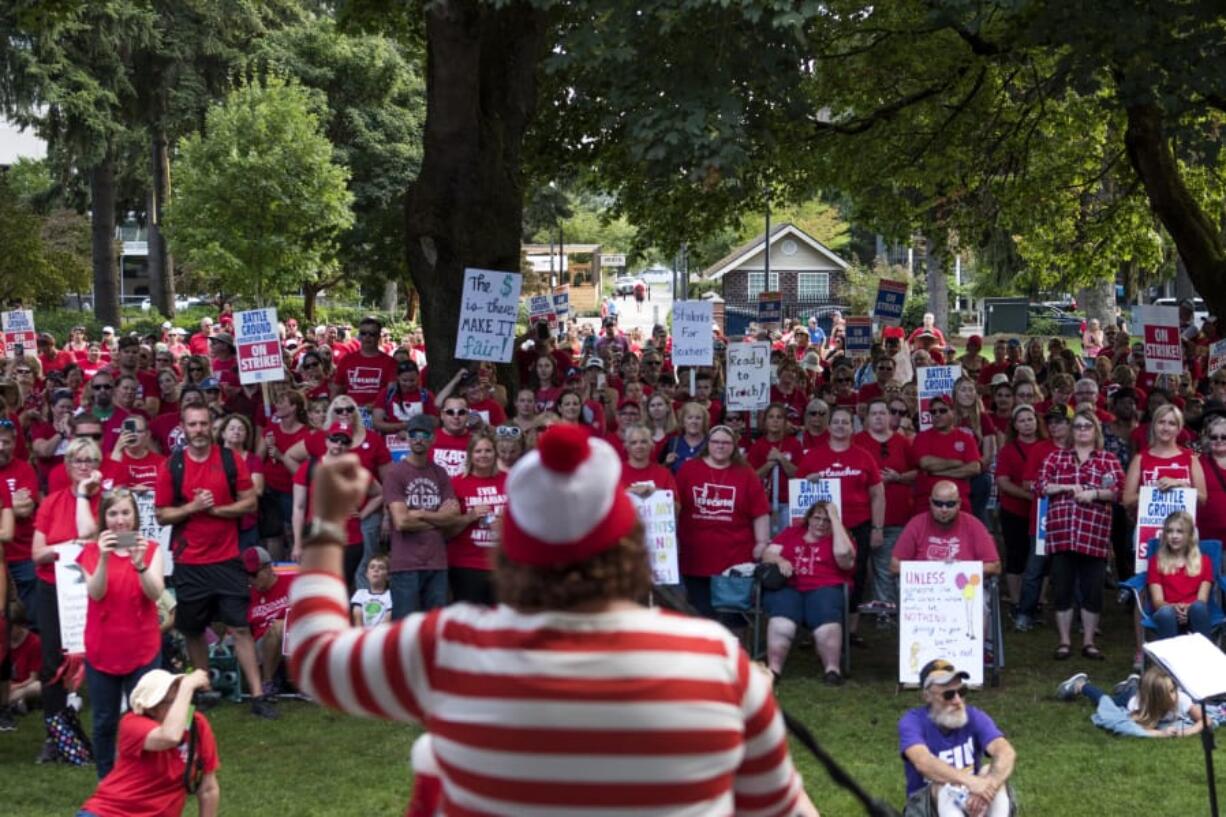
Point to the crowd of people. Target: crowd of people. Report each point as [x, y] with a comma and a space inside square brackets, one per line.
[103, 440]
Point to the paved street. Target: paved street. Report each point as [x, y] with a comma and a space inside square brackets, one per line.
[630, 315]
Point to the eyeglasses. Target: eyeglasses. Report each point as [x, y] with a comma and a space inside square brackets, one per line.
[898, 412]
[456, 412]
[1216, 438]
[344, 409]
[944, 503]
[957, 692]
[101, 386]
[419, 434]
[939, 410]
[23, 371]
[312, 365]
[1083, 426]
[508, 432]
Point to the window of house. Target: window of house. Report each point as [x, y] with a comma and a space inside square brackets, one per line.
[811, 286]
[757, 282]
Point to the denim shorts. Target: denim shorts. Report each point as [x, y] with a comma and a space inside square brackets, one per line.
[812, 608]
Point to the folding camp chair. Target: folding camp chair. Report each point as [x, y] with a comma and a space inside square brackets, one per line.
[1139, 586]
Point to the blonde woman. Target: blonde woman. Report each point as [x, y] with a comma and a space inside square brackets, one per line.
[1180, 579]
[687, 441]
[661, 419]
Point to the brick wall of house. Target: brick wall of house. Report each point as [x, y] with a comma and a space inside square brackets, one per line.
[736, 285]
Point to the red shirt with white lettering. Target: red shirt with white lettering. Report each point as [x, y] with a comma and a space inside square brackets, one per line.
[363, 378]
[267, 606]
[964, 540]
[813, 564]
[471, 547]
[718, 507]
[856, 471]
[450, 452]
[139, 474]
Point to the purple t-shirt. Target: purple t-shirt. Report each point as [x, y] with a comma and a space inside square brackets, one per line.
[960, 748]
[420, 489]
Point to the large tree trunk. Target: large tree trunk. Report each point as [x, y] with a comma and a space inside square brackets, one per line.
[1098, 300]
[161, 265]
[937, 282]
[1196, 236]
[309, 294]
[102, 241]
[465, 208]
[391, 296]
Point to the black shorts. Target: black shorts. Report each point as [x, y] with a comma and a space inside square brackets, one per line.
[209, 593]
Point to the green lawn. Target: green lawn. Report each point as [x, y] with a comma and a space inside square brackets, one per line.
[314, 763]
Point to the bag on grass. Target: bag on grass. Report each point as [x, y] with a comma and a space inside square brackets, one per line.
[70, 740]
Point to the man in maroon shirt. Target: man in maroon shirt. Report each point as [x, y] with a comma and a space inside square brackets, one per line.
[366, 373]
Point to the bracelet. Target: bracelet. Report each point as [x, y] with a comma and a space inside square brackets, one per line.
[324, 533]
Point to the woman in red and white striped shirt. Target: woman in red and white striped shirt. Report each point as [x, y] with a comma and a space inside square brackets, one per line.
[569, 698]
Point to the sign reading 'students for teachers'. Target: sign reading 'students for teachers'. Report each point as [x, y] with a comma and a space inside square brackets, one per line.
[259, 346]
[693, 344]
[487, 315]
[940, 615]
[749, 376]
[1153, 507]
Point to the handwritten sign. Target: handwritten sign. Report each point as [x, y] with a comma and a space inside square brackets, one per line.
[749, 376]
[891, 295]
[488, 311]
[940, 615]
[1160, 330]
[259, 346]
[71, 598]
[1217, 356]
[858, 334]
[150, 529]
[802, 493]
[658, 513]
[18, 326]
[934, 380]
[693, 344]
[1153, 508]
[770, 307]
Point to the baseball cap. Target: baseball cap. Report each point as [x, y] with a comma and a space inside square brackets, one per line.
[406, 366]
[626, 401]
[255, 558]
[108, 330]
[339, 429]
[999, 378]
[976, 340]
[223, 337]
[593, 362]
[420, 422]
[940, 671]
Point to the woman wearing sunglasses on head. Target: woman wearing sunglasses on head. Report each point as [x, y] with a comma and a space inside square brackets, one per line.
[510, 442]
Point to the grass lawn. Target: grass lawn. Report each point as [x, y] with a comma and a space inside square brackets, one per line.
[315, 763]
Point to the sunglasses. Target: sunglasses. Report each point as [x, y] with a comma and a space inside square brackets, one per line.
[344, 409]
[456, 412]
[86, 461]
[508, 432]
[196, 369]
[313, 365]
[1082, 427]
[419, 434]
[1217, 438]
[944, 503]
[898, 412]
[340, 438]
[957, 692]
[939, 410]
[101, 386]
[368, 334]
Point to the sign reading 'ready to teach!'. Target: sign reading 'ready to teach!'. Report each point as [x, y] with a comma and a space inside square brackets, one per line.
[487, 315]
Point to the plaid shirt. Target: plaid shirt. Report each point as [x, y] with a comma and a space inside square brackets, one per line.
[1071, 525]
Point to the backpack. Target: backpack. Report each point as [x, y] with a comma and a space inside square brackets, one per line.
[178, 468]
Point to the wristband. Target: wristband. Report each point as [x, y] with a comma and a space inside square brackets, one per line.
[324, 533]
[140, 569]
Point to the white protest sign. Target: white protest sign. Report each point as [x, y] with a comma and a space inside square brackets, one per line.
[540, 306]
[18, 327]
[802, 493]
[934, 380]
[258, 346]
[488, 311]
[1217, 356]
[71, 598]
[150, 529]
[1153, 507]
[748, 376]
[940, 615]
[658, 513]
[693, 344]
[1160, 331]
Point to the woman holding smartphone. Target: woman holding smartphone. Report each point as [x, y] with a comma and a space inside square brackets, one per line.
[123, 577]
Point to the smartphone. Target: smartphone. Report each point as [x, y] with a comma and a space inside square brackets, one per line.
[19, 350]
[125, 540]
[129, 426]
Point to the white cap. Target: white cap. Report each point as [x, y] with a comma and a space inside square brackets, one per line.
[151, 690]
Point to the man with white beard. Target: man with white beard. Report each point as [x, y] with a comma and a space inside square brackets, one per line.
[943, 745]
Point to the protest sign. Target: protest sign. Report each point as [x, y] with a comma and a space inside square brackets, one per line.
[934, 380]
[488, 310]
[891, 295]
[940, 615]
[858, 334]
[397, 447]
[561, 301]
[748, 376]
[657, 512]
[1152, 509]
[18, 326]
[693, 344]
[540, 308]
[802, 493]
[1160, 331]
[770, 307]
[151, 530]
[258, 346]
[1040, 525]
[71, 599]
[1217, 356]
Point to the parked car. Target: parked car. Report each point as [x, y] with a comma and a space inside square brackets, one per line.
[1199, 310]
[626, 284]
[1063, 324]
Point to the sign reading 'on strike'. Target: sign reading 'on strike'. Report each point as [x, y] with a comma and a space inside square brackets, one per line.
[259, 346]
[1160, 328]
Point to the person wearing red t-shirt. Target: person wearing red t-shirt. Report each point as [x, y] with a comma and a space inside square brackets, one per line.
[198, 344]
[776, 453]
[943, 533]
[891, 450]
[450, 448]
[817, 412]
[482, 493]
[999, 365]
[1016, 495]
[366, 373]
[883, 372]
[49, 438]
[1180, 579]
[210, 584]
[147, 780]
[287, 428]
[26, 652]
[52, 359]
[790, 392]
[123, 579]
[19, 492]
[944, 452]
[63, 518]
[724, 518]
[641, 475]
[133, 464]
[267, 609]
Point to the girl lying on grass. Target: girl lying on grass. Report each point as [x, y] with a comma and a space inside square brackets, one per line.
[1148, 707]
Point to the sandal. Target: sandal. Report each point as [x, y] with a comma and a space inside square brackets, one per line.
[1064, 652]
[1093, 653]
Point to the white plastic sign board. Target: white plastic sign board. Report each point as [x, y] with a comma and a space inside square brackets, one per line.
[657, 512]
[613, 260]
[693, 344]
[18, 326]
[933, 381]
[940, 615]
[1153, 507]
[71, 598]
[487, 315]
[150, 529]
[1160, 331]
[748, 376]
[258, 346]
[802, 493]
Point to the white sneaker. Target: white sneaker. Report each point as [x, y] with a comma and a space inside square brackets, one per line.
[1071, 686]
